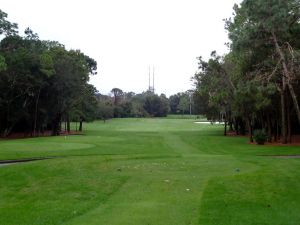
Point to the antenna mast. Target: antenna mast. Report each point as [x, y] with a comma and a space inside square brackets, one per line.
[153, 89]
[149, 78]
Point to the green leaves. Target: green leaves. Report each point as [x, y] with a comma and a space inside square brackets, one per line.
[41, 82]
[3, 65]
[46, 64]
[251, 97]
[7, 28]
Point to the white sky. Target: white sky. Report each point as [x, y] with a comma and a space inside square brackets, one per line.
[126, 36]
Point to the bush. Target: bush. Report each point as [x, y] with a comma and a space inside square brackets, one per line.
[260, 136]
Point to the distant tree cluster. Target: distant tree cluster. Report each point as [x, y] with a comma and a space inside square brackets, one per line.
[121, 105]
[182, 103]
[256, 85]
[147, 104]
[42, 83]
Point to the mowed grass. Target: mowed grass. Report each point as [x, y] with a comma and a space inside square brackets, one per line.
[148, 172]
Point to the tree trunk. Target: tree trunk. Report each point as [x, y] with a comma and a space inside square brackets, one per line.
[225, 127]
[250, 130]
[230, 122]
[283, 116]
[230, 125]
[269, 128]
[7, 126]
[236, 126]
[295, 101]
[286, 76]
[36, 112]
[7, 131]
[80, 124]
[289, 129]
[56, 125]
[68, 124]
[282, 92]
[242, 126]
[277, 131]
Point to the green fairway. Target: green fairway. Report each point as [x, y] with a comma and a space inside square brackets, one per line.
[148, 172]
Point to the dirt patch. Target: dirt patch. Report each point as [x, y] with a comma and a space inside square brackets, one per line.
[295, 140]
[276, 144]
[233, 134]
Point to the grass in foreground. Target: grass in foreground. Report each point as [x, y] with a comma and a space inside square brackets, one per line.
[148, 171]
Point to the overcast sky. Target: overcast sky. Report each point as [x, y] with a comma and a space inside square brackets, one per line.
[126, 36]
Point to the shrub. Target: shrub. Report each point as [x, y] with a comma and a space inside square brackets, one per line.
[260, 136]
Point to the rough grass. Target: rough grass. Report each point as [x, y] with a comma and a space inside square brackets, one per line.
[148, 171]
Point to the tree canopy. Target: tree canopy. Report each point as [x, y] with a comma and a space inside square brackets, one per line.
[42, 83]
[254, 86]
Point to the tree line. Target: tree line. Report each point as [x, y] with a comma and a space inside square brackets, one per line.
[42, 83]
[121, 104]
[255, 85]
